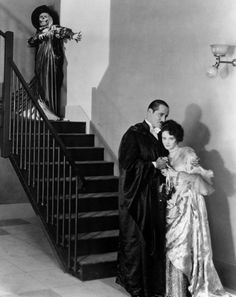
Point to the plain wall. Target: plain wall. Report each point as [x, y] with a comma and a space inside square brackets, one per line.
[87, 60]
[161, 49]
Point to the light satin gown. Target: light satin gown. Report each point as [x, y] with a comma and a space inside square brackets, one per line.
[190, 268]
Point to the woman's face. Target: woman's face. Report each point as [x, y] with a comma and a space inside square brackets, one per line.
[169, 141]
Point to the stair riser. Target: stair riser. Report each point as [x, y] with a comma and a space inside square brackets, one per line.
[92, 186]
[97, 271]
[78, 141]
[69, 127]
[92, 224]
[84, 169]
[69, 140]
[83, 154]
[75, 127]
[91, 204]
[96, 246]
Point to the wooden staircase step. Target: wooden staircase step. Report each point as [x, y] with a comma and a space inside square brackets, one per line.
[86, 153]
[77, 140]
[69, 139]
[91, 221]
[85, 168]
[98, 234]
[95, 184]
[69, 126]
[89, 201]
[95, 242]
[96, 266]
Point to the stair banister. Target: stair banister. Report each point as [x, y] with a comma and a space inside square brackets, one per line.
[5, 108]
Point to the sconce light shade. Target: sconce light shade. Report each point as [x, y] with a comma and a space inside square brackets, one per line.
[212, 72]
[219, 50]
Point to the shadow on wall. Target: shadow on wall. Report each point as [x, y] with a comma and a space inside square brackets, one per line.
[197, 135]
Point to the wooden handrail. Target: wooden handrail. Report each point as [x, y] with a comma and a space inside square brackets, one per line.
[2, 34]
[40, 111]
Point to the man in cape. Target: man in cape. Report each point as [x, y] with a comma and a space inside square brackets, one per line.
[141, 256]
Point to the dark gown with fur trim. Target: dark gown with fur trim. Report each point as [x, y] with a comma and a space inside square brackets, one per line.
[49, 58]
[141, 259]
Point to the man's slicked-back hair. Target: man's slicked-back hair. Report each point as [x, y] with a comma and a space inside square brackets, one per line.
[154, 105]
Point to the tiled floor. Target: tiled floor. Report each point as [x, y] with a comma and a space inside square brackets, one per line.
[28, 267]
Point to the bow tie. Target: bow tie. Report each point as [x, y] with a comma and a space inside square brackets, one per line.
[155, 131]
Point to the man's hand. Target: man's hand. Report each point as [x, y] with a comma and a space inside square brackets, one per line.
[161, 163]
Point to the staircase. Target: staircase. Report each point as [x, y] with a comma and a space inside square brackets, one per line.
[97, 237]
[70, 186]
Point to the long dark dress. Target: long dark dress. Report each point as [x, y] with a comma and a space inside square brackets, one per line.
[141, 259]
[49, 58]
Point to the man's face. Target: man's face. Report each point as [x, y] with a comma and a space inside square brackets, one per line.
[157, 117]
[44, 19]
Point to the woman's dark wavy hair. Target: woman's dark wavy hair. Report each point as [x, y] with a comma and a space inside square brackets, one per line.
[174, 129]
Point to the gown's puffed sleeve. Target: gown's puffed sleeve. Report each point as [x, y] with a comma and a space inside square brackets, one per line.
[195, 177]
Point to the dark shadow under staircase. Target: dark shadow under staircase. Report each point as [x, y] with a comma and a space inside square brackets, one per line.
[69, 184]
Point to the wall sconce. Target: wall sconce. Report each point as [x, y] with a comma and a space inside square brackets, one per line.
[219, 51]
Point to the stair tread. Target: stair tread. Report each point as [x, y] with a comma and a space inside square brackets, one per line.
[83, 147]
[92, 214]
[97, 258]
[97, 177]
[74, 134]
[98, 195]
[98, 234]
[91, 195]
[79, 162]
[102, 213]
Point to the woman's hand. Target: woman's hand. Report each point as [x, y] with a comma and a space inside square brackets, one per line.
[169, 171]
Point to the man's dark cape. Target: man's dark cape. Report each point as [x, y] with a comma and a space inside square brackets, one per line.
[141, 259]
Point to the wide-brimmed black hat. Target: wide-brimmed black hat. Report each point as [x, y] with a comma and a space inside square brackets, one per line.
[44, 8]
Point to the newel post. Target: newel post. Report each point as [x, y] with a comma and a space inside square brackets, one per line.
[6, 94]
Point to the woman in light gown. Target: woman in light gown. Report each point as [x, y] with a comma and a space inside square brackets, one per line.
[189, 266]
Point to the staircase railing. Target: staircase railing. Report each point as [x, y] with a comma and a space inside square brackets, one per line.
[46, 170]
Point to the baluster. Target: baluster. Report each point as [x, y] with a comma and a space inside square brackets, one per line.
[53, 179]
[34, 144]
[30, 142]
[21, 99]
[38, 159]
[10, 110]
[58, 191]
[48, 172]
[14, 115]
[69, 217]
[43, 164]
[63, 200]
[26, 130]
[76, 222]
[17, 116]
